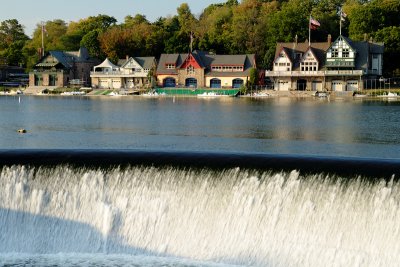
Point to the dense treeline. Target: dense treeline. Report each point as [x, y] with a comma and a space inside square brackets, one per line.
[249, 26]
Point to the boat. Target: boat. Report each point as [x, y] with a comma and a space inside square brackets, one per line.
[261, 94]
[114, 94]
[389, 95]
[211, 94]
[321, 94]
[358, 95]
[153, 94]
[73, 93]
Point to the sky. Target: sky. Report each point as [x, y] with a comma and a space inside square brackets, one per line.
[29, 13]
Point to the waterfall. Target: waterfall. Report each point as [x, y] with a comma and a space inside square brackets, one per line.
[233, 216]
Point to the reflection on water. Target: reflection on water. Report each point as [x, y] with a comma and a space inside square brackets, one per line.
[279, 125]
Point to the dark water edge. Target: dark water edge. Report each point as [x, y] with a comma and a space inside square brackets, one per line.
[342, 166]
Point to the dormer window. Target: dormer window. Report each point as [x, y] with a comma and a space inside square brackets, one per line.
[170, 66]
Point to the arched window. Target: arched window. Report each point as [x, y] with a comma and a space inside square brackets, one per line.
[237, 83]
[169, 82]
[191, 82]
[215, 83]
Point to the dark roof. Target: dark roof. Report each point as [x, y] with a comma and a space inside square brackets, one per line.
[67, 58]
[376, 48]
[206, 60]
[145, 62]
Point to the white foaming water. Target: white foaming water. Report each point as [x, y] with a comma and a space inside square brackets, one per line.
[145, 216]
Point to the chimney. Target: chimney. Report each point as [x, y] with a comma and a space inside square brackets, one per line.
[365, 37]
[296, 39]
[127, 57]
[329, 39]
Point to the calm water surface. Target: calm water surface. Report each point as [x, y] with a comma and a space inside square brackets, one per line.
[277, 126]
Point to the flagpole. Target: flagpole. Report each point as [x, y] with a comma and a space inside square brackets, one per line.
[309, 31]
[340, 19]
[42, 40]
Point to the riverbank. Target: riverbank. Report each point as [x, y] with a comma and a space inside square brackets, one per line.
[392, 94]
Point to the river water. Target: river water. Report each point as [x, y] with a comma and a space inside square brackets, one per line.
[277, 126]
[58, 208]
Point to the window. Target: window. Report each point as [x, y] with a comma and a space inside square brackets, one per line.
[335, 52]
[190, 70]
[170, 66]
[345, 52]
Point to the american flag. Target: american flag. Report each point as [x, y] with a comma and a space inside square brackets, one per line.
[342, 15]
[314, 24]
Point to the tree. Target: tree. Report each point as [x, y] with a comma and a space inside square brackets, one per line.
[390, 36]
[253, 77]
[12, 40]
[136, 20]
[11, 31]
[92, 43]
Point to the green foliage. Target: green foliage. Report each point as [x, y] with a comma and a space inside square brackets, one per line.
[12, 40]
[92, 43]
[253, 77]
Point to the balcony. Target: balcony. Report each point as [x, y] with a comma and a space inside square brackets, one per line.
[344, 72]
[119, 74]
[294, 73]
[373, 72]
[314, 73]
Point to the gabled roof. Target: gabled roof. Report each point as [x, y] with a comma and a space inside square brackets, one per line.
[198, 63]
[345, 39]
[286, 52]
[312, 52]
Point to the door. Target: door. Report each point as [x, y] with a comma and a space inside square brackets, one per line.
[103, 83]
[116, 84]
[129, 83]
[317, 86]
[169, 82]
[215, 83]
[337, 86]
[191, 82]
[352, 85]
[283, 85]
[237, 83]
